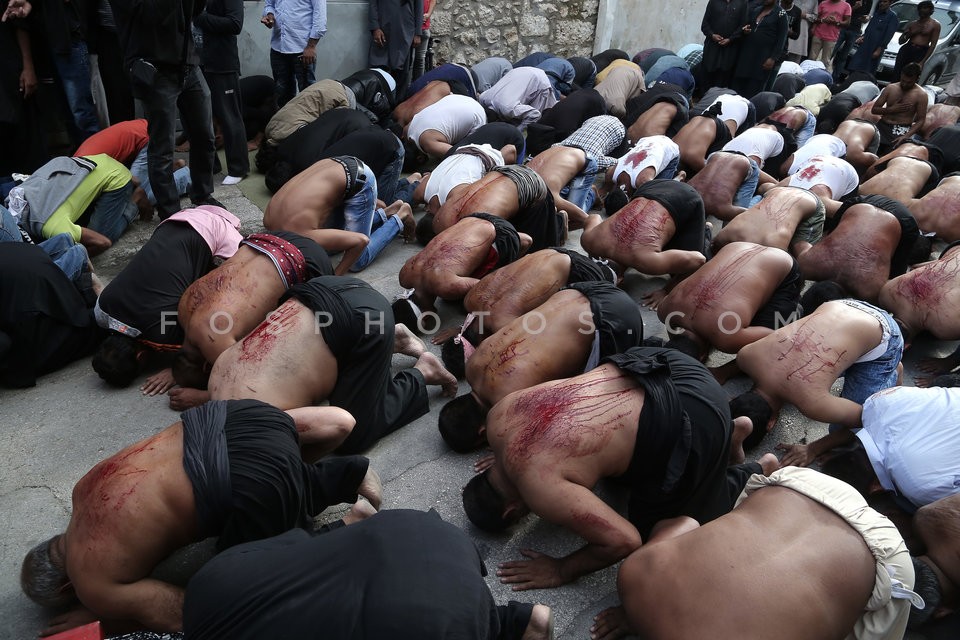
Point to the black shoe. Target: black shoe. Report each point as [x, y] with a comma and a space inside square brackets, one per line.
[210, 200]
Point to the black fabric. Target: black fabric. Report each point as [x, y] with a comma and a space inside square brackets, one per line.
[585, 71]
[447, 72]
[371, 91]
[660, 92]
[316, 257]
[947, 140]
[374, 146]
[766, 102]
[507, 241]
[603, 59]
[272, 489]
[947, 248]
[908, 53]
[496, 134]
[615, 315]
[721, 137]
[685, 206]
[400, 574]
[909, 229]
[259, 103]
[360, 332]
[562, 119]
[836, 111]
[146, 293]
[708, 98]
[157, 31]
[679, 463]
[44, 322]
[788, 85]
[542, 223]
[783, 303]
[221, 23]
[586, 269]
[305, 146]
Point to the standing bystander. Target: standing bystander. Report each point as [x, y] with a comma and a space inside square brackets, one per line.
[723, 21]
[420, 59]
[297, 27]
[831, 16]
[395, 26]
[918, 39]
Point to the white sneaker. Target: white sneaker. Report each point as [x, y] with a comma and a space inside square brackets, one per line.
[232, 180]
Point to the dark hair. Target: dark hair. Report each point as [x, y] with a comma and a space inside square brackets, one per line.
[617, 199]
[483, 505]
[278, 175]
[911, 70]
[425, 232]
[460, 422]
[947, 380]
[851, 465]
[752, 405]
[266, 157]
[929, 5]
[42, 580]
[453, 357]
[683, 343]
[116, 360]
[190, 370]
[819, 293]
[927, 586]
[457, 88]
[920, 251]
[403, 313]
[413, 157]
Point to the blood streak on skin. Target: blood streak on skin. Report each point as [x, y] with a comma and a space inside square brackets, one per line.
[810, 346]
[591, 521]
[261, 340]
[562, 415]
[507, 354]
[633, 225]
[929, 284]
[715, 287]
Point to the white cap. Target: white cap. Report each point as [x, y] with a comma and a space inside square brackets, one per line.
[389, 78]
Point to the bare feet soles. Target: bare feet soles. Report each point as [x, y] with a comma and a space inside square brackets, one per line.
[769, 463]
[434, 373]
[361, 510]
[540, 626]
[742, 427]
[406, 342]
[371, 488]
[610, 624]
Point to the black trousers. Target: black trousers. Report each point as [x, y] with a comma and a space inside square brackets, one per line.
[228, 109]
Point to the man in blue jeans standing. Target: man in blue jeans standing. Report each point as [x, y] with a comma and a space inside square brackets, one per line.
[297, 27]
[164, 75]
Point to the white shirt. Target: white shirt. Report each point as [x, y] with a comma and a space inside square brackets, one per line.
[454, 116]
[652, 151]
[912, 437]
[790, 67]
[759, 142]
[822, 144]
[458, 169]
[837, 175]
[734, 108]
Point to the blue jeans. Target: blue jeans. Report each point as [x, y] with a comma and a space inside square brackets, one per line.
[290, 74]
[748, 187]
[807, 130]
[141, 171]
[359, 215]
[65, 253]
[670, 170]
[74, 71]
[113, 212]
[578, 191]
[863, 379]
[388, 182]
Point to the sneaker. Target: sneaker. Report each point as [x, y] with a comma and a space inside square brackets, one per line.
[233, 179]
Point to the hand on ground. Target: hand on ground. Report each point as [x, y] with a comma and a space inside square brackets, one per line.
[484, 463]
[158, 383]
[796, 455]
[610, 624]
[652, 300]
[539, 572]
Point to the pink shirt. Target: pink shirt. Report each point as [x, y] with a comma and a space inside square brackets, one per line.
[838, 10]
[215, 225]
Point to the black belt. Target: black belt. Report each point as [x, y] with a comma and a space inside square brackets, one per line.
[356, 179]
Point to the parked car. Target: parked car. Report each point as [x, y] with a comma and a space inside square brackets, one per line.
[944, 63]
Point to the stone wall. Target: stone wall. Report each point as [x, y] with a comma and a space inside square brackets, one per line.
[512, 29]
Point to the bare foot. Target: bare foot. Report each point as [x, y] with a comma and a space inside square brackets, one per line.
[96, 284]
[406, 342]
[769, 463]
[361, 510]
[742, 427]
[540, 626]
[414, 177]
[566, 227]
[681, 177]
[936, 366]
[409, 223]
[179, 164]
[435, 373]
[444, 334]
[182, 399]
[610, 624]
[371, 488]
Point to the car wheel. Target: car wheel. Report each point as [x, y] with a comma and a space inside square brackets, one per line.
[933, 77]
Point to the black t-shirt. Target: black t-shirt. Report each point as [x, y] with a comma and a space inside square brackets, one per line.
[304, 146]
[146, 293]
